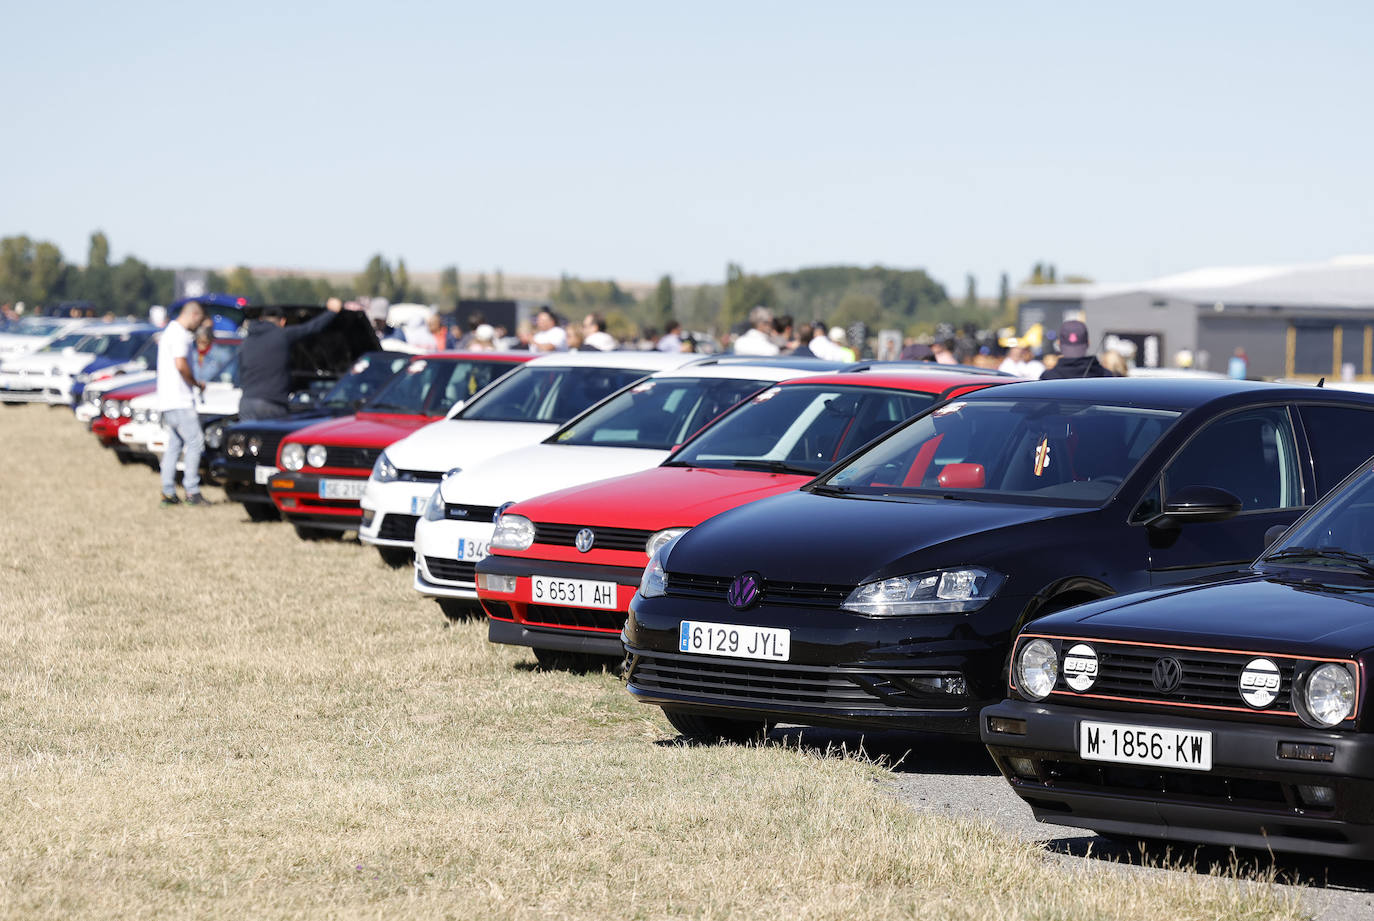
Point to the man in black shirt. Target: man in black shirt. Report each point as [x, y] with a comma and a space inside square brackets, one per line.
[1074, 360]
[265, 360]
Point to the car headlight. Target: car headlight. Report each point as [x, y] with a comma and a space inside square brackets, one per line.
[125, 410]
[654, 582]
[140, 415]
[1329, 694]
[513, 532]
[292, 455]
[662, 537]
[949, 591]
[154, 416]
[1037, 669]
[316, 455]
[110, 410]
[383, 471]
[236, 445]
[214, 437]
[435, 510]
[255, 448]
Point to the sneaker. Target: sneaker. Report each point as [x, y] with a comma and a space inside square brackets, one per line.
[169, 501]
[197, 499]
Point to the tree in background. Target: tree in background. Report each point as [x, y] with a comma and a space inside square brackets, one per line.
[500, 285]
[95, 281]
[661, 303]
[400, 292]
[742, 294]
[482, 287]
[448, 289]
[856, 308]
[1003, 294]
[970, 292]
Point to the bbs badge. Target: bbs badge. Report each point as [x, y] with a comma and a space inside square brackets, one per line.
[1259, 683]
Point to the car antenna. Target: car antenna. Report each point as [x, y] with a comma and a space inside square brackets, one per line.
[1321, 382]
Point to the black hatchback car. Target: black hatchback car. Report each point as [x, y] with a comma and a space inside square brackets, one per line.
[886, 592]
[1231, 713]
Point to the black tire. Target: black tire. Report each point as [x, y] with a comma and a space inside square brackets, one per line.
[558, 660]
[457, 609]
[713, 729]
[262, 511]
[310, 532]
[396, 557]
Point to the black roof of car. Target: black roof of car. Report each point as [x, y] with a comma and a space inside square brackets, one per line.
[1163, 393]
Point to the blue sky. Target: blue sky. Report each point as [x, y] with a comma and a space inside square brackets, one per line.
[630, 140]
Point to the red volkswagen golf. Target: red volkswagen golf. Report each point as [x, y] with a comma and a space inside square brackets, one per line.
[564, 566]
[324, 467]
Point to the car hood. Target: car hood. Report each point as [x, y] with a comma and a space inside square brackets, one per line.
[802, 536]
[47, 361]
[370, 430]
[1255, 612]
[537, 469]
[450, 443]
[663, 497]
[108, 384]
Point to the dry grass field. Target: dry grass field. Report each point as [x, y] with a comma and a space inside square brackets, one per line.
[208, 718]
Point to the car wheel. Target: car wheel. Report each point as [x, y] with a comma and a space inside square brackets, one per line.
[712, 729]
[396, 557]
[262, 511]
[309, 532]
[558, 660]
[456, 609]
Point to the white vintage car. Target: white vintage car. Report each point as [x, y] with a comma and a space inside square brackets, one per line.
[46, 375]
[631, 431]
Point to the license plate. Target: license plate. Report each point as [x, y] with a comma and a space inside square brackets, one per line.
[471, 551]
[1154, 745]
[734, 640]
[573, 593]
[417, 504]
[262, 474]
[342, 489]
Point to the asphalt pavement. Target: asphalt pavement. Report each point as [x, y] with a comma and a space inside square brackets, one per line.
[936, 774]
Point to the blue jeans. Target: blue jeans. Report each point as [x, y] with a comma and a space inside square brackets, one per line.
[183, 431]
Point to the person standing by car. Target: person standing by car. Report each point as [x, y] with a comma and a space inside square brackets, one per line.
[176, 387]
[1074, 360]
[265, 360]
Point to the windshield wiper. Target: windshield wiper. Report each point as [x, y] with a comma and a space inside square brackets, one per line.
[1357, 560]
[833, 489]
[773, 466]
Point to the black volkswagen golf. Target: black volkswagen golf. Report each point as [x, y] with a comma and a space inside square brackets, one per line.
[1232, 713]
[885, 593]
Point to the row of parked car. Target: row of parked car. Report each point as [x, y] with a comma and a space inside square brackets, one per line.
[1126, 587]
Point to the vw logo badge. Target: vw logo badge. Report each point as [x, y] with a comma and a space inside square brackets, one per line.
[584, 539]
[744, 591]
[1167, 674]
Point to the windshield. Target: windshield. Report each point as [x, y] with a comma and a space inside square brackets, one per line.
[801, 429]
[657, 413]
[365, 379]
[69, 341]
[1071, 452]
[119, 347]
[429, 386]
[1336, 533]
[35, 326]
[547, 394]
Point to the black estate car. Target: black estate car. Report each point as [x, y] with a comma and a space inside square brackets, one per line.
[886, 592]
[244, 453]
[1229, 713]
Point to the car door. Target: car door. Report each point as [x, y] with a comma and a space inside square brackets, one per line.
[1252, 453]
[1339, 438]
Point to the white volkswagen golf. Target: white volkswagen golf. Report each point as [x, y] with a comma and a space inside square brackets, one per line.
[521, 408]
[633, 430]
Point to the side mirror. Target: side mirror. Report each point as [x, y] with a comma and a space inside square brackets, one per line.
[1273, 534]
[1196, 504]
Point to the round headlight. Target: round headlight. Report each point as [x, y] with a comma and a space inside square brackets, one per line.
[1037, 667]
[235, 446]
[662, 537]
[125, 410]
[315, 455]
[110, 410]
[1329, 694]
[293, 456]
[255, 448]
[214, 437]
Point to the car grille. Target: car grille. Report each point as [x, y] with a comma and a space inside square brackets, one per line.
[357, 458]
[791, 594]
[577, 618]
[419, 476]
[397, 527]
[447, 570]
[565, 535]
[483, 513]
[782, 686]
[1130, 780]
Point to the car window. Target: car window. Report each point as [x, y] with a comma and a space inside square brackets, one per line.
[1250, 454]
[1340, 437]
[69, 341]
[547, 393]
[1342, 522]
[804, 426]
[658, 413]
[365, 379]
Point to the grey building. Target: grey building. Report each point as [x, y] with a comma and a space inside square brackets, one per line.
[1313, 320]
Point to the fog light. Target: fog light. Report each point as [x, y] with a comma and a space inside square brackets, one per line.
[1004, 725]
[1306, 751]
[288, 503]
[368, 515]
[940, 684]
[502, 584]
[1023, 767]
[1313, 795]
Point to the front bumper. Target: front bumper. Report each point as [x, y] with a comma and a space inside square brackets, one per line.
[243, 482]
[300, 497]
[444, 567]
[1251, 797]
[32, 388]
[518, 619]
[389, 507]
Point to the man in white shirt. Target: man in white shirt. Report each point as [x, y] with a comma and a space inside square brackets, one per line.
[176, 388]
[548, 335]
[594, 335]
[671, 340]
[758, 340]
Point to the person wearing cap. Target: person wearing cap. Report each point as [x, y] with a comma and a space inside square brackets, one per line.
[483, 338]
[1074, 360]
[265, 360]
[841, 341]
[758, 340]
